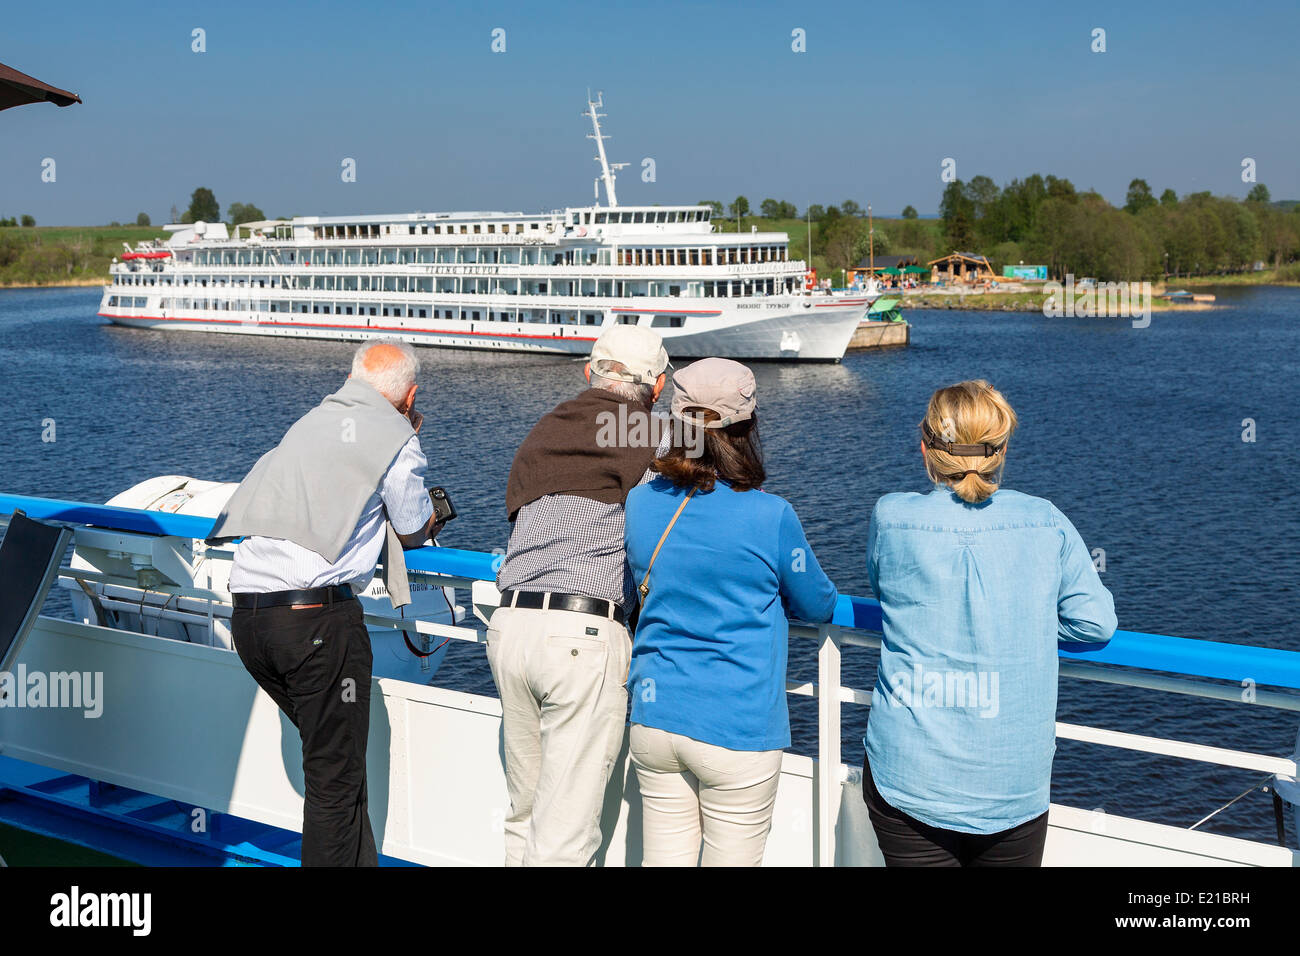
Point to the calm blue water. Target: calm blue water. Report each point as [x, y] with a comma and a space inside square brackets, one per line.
[1136, 434]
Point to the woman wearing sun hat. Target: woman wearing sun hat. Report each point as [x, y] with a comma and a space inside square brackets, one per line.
[718, 563]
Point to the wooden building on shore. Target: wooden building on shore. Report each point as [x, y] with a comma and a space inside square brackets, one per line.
[968, 267]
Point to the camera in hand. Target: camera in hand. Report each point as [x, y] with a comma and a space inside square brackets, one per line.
[443, 509]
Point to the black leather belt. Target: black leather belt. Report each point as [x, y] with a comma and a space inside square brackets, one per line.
[563, 602]
[253, 600]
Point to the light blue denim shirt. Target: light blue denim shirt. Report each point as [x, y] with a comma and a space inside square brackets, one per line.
[974, 599]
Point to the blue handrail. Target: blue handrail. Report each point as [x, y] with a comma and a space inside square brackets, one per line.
[1179, 655]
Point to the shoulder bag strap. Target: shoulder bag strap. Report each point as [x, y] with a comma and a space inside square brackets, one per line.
[644, 589]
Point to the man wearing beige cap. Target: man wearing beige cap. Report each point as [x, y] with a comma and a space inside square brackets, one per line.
[558, 643]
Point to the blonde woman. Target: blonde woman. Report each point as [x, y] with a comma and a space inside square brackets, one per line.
[977, 584]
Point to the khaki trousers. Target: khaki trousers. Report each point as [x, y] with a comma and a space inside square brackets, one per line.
[694, 793]
[562, 679]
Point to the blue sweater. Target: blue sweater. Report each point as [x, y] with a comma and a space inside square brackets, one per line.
[709, 655]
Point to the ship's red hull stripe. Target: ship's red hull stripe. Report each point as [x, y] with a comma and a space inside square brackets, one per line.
[367, 328]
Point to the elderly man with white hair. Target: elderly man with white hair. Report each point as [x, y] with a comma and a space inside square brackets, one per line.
[314, 514]
[558, 645]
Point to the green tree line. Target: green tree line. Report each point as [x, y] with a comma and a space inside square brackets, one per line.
[1045, 220]
[782, 209]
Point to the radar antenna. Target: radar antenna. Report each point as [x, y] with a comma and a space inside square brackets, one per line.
[607, 169]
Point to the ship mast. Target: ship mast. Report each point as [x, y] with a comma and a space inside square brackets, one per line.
[606, 168]
[871, 241]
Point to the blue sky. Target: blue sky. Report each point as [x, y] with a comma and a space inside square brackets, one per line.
[711, 91]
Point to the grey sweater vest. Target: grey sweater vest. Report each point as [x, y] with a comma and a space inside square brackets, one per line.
[312, 488]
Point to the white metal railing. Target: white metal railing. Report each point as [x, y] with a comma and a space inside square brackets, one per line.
[831, 773]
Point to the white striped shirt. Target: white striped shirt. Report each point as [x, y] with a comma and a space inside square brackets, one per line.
[273, 564]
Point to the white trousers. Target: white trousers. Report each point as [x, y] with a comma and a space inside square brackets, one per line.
[562, 679]
[694, 792]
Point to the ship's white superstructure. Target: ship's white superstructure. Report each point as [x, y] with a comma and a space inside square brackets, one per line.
[492, 280]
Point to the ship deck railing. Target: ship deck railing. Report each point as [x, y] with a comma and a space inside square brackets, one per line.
[1239, 674]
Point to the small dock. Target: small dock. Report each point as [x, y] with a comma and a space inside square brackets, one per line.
[884, 327]
[1182, 296]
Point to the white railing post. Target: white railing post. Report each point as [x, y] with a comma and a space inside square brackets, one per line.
[829, 784]
[212, 613]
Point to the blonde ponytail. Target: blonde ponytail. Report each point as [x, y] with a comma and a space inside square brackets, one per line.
[968, 416]
[975, 488]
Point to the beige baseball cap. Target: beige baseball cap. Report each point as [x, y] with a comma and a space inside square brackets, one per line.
[639, 350]
[718, 384]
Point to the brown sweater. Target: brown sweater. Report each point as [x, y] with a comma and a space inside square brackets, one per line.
[563, 456]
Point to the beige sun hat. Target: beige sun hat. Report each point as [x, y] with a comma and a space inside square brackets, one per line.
[718, 384]
[640, 351]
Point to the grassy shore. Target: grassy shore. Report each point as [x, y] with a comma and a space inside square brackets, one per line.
[81, 283]
[63, 255]
[1287, 275]
[1016, 302]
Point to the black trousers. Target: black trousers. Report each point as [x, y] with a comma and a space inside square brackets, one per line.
[315, 664]
[906, 841]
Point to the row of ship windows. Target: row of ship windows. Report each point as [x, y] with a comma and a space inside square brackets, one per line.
[726, 256]
[470, 285]
[639, 216]
[396, 256]
[374, 231]
[653, 256]
[407, 311]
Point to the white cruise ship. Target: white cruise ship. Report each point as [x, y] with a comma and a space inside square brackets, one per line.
[492, 280]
